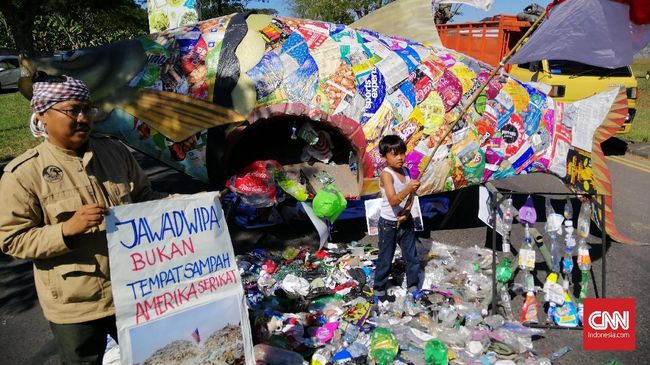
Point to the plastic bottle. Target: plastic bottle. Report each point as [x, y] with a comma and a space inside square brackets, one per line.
[584, 220]
[529, 310]
[568, 210]
[584, 263]
[548, 206]
[435, 353]
[506, 302]
[504, 271]
[322, 356]
[357, 350]
[567, 259]
[553, 295]
[553, 228]
[584, 259]
[272, 355]
[527, 252]
[567, 315]
[584, 284]
[556, 253]
[508, 215]
[351, 333]
[447, 315]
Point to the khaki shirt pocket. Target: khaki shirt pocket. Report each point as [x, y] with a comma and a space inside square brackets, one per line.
[61, 210]
[121, 192]
[75, 283]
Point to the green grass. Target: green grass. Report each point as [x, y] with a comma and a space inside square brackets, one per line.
[15, 136]
[641, 124]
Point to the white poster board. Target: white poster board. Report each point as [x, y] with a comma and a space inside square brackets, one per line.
[176, 287]
[373, 213]
[485, 210]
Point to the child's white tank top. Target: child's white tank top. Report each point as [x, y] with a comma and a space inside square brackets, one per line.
[387, 211]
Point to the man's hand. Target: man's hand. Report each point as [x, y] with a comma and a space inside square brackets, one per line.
[84, 218]
[413, 186]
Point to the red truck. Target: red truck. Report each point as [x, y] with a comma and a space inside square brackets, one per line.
[490, 40]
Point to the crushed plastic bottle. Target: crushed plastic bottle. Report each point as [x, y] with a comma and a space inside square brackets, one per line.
[447, 315]
[559, 353]
[351, 333]
[358, 350]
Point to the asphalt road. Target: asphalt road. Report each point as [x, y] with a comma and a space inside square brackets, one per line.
[25, 337]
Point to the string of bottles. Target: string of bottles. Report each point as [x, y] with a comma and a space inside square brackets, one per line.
[561, 310]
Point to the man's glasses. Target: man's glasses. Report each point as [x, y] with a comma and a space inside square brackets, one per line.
[74, 112]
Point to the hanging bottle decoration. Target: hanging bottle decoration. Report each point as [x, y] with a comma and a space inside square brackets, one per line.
[508, 213]
[527, 252]
[553, 228]
[527, 213]
[568, 209]
[567, 259]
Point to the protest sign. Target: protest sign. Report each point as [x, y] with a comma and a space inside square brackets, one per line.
[176, 287]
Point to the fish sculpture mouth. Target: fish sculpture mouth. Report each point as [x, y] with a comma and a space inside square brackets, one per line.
[105, 70]
[183, 95]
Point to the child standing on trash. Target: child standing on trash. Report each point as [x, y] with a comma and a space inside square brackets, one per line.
[396, 222]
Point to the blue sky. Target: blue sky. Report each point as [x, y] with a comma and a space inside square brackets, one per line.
[469, 13]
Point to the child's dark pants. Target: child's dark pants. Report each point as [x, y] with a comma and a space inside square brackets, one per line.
[389, 235]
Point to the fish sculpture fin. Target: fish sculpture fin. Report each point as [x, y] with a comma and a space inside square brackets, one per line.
[601, 176]
[176, 116]
[410, 19]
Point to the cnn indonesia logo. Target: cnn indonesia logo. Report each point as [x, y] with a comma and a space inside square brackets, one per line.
[610, 324]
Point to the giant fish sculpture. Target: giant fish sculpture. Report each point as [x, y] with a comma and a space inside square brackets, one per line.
[187, 95]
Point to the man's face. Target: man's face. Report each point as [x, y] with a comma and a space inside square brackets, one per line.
[68, 123]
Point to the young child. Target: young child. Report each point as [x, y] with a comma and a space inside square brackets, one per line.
[395, 222]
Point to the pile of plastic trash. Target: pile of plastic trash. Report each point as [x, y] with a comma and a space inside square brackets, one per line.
[318, 307]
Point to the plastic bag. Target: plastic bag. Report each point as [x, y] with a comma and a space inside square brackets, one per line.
[435, 353]
[255, 184]
[329, 203]
[383, 346]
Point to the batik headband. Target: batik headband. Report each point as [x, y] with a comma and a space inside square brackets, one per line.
[46, 94]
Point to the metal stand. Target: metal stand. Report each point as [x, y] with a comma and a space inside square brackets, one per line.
[499, 196]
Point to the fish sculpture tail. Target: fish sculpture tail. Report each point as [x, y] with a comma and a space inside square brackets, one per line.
[602, 179]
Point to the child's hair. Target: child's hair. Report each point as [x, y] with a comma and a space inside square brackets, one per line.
[391, 143]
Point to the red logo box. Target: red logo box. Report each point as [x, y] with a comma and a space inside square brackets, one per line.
[609, 324]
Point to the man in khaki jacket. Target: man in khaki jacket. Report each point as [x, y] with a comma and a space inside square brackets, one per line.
[54, 197]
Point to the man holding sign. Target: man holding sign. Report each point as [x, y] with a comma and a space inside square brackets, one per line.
[54, 200]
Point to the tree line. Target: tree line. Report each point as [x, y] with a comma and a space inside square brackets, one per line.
[42, 26]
